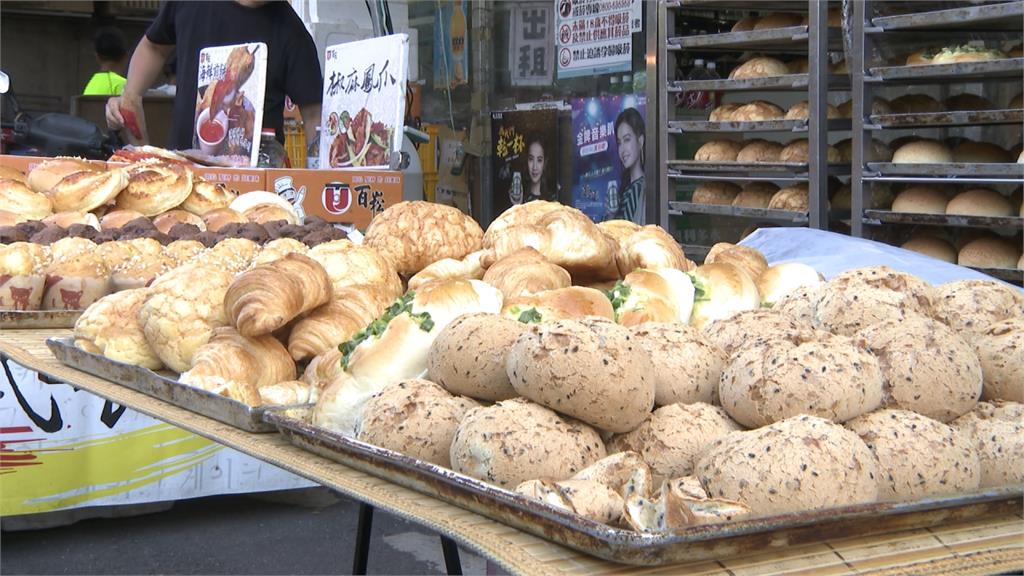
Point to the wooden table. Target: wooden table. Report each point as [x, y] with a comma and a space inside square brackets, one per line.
[987, 546]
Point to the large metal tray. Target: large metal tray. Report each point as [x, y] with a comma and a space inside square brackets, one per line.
[1003, 16]
[876, 217]
[683, 126]
[162, 387]
[1008, 68]
[791, 37]
[24, 319]
[959, 118]
[626, 546]
[678, 208]
[790, 82]
[948, 169]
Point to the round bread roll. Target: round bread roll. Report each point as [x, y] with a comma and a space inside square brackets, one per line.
[139, 271]
[16, 197]
[110, 327]
[23, 266]
[755, 195]
[799, 304]
[759, 150]
[69, 219]
[723, 113]
[915, 104]
[980, 153]
[997, 433]
[931, 246]
[715, 192]
[878, 151]
[468, 357]
[750, 260]
[802, 111]
[1001, 350]
[795, 197]
[168, 220]
[753, 327]
[207, 196]
[757, 110]
[685, 365]
[980, 202]
[927, 367]
[800, 464]
[799, 66]
[922, 152]
[828, 376]
[76, 280]
[413, 235]
[44, 177]
[965, 53]
[917, 456]
[675, 436]
[155, 187]
[414, 417]
[989, 252]
[799, 151]
[782, 279]
[117, 218]
[858, 298]
[744, 24]
[718, 151]
[9, 173]
[920, 199]
[968, 101]
[183, 251]
[974, 305]
[759, 67]
[723, 290]
[220, 217]
[778, 20]
[515, 440]
[580, 368]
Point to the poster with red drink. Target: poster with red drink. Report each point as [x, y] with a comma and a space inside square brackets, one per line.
[229, 102]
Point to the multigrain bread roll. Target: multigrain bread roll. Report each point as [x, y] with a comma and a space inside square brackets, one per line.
[931, 246]
[799, 304]
[755, 195]
[754, 327]
[16, 197]
[922, 152]
[674, 436]
[915, 104]
[155, 187]
[757, 110]
[917, 456]
[981, 153]
[715, 193]
[989, 252]
[110, 327]
[580, 367]
[516, 440]
[802, 110]
[996, 430]
[980, 202]
[469, 356]
[718, 151]
[800, 464]
[759, 150]
[685, 364]
[920, 199]
[759, 67]
[1001, 350]
[926, 366]
[974, 305]
[861, 297]
[413, 235]
[416, 418]
[795, 197]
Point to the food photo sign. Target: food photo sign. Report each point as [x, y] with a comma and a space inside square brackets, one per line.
[364, 102]
[229, 102]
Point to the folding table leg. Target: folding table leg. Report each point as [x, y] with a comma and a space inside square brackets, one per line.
[451, 556]
[363, 529]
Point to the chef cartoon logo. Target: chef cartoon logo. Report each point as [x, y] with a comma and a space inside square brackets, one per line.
[285, 188]
[336, 198]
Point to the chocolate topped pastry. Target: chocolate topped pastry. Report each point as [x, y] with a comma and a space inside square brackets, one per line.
[107, 236]
[138, 228]
[82, 231]
[30, 227]
[316, 221]
[183, 231]
[274, 228]
[48, 235]
[208, 239]
[323, 235]
[250, 231]
[12, 234]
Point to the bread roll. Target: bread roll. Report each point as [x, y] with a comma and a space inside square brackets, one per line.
[781, 279]
[878, 151]
[16, 197]
[279, 248]
[799, 305]
[580, 368]
[777, 20]
[968, 101]
[118, 218]
[139, 271]
[685, 365]
[799, 151]
[413, 235]
[416, 418]
[999, 441]
[650, 247]
[931, 246]
[722, 290]
[22, 269]
[750, 260]
[920, 199]
[515, 440]
[182, 251]
[663, 295]
[799, 66]
[168, 220]
[980, 153]
[973, 305]
[715, 192]
[220, 217]
[348, 265]
[795, 198]
[915, 104]
[468, 357]
[76, 280]
[802, 111]
[757, 110]
[559, 304]
[966, 53]
[1001, 351]
[759, 67]
[723, 113]
[989, 252]
[8, 218]
[759, 150]
[744, 24]
[207, 196]
[922, 151]
[718, 151]
[110, 327]
[754, 328]
[50, 172]
[525, 273]
[155, 187]
[861, 297]
[980, 202]
[9, 173]
[755, 195]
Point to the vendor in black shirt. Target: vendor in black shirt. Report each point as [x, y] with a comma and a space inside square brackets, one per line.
[185, 28]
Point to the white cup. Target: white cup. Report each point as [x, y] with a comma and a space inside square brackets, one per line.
[222, 119]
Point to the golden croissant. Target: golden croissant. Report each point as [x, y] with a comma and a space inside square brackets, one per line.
[271, 295]
[237, 367]
[351, 310]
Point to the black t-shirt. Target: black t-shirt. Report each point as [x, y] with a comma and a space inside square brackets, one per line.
[293, 67]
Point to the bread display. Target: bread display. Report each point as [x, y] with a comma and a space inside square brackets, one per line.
[350, 310]
[526, 272]
[980, 153]
[759, 67]
[650, 247]
[974, 305]
[932, 246]
[758, 150]
[996, 431]
[980, 202]
[685, 365]
[920, 199]
[722, 193]
[755, 195]
[468, 357]
[718, 151]
[237, 366]
[802, 111]
[757, 111]
[990, 252]
[917, 456]
[414, 417]
[795, 198]
[1000, 348]
[413, 235]
[861, 297]
[922, 152]
[799, 151]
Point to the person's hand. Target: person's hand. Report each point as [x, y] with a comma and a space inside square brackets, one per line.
[114, 119]
[125, 112]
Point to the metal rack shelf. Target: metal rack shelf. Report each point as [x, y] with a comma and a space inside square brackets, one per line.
[946, 119]
[785, 83]
[1005, 16]
[776, 6]
[791, 216]
[790, 38]
[879, 217]
[946, 170]
[1012, 275]
[958, 72]
[695, 126]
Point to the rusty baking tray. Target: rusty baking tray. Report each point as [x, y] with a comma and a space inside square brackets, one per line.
[1012, 275]
[626, 546]
[678, 208]
[25, 319]
[1007, 68]
[1003, 16]
[947, 169]
[162, 386]
[957, 118]
[774, 83]
[877, 217]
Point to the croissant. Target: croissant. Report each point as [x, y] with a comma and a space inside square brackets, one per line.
[237, 367]
[288, 393]
[323, 368]
[269, 296]
[469, 268]
[649, 247]
[618, 230]
[351, 310]
[526, 272]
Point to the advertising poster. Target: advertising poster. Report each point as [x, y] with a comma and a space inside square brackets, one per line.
[452, 185]
[596, 36]
[363, 117]
[229, 101]
[609, 133]
[531, 44]
[451, 46]
[525, 157]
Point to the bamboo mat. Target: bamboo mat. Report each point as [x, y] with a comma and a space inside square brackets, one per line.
[988, 546]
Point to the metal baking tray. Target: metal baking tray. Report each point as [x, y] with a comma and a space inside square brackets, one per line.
[678, 208]
[958, 118]
[162, 386]
[777, 5]
[947, 169]
[877, 217]
[1004, 16]
[626, 546]
[684, 126]
[24, 319]
[760, 167]
[791, 37]
[1012, 275]
[1008, 68]
[787, 82]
